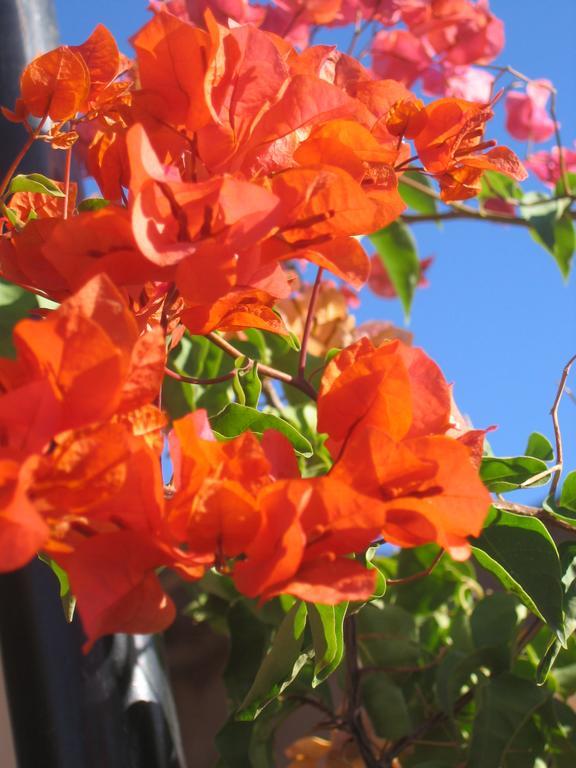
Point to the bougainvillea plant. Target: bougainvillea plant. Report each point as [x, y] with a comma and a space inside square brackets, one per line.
[186, 390]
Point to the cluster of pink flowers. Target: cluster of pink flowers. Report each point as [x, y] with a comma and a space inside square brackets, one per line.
[441, 42]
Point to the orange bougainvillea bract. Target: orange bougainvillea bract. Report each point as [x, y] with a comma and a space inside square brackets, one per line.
[228, 160]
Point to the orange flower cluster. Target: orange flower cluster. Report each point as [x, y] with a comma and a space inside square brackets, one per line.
[223, 153]
[237, 154]
[81, 473]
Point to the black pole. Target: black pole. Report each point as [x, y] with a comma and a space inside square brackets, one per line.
[113, 707]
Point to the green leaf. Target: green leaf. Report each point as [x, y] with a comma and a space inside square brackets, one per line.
[493, 623]
[558, 512]
[454, 673]
[233, 744]
[522, 555]
[435, 764]
[415, 198]
[559, 188]
[244, 744]
[35, 182]
[258, 340]
[252, 386]
[503, 705]
[551, 226]
[12, 216]
[387, 636]
[235, 419]
[249, 639]
[568, 562]
[93, 204]
[66, 597]
[373, 563]
[177, 397]
[386, 706]
[331, 354]
[507, 473]
[397, 251]
[280, 666]
[568, 494]
[539, 447]
[15, 305]
[495, 184]
[327, 625]
[236, 385]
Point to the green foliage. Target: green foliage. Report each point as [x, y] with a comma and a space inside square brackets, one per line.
[234, 419]
[280, 666]
[568, 494]
[551, 226]
[34, 182]
[396, 248]
[539, 447]
[327, 625]
[504, 704]
[15, 305]
[447, 672]
[502, 474]
[93, 204]
[415, 198]
[522, 555]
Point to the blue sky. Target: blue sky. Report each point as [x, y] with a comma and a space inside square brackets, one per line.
[498, 318]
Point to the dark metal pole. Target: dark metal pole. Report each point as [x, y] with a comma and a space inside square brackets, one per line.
[113, 707]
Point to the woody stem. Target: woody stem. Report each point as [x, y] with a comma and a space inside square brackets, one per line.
[67, 173]
[19, 157]
[308, 324]
[265, 370]
[353, 716]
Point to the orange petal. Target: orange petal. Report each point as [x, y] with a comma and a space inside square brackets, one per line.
[55, 84]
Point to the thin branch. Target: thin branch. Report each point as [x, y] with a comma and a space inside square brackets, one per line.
[540, 476]
[202, 382]
[397, 748]
[271, 395]
[308, 324]
[556, 424]
[265, 370]
[402, 744]
[33, 135]
[67, 174]
[420, 574]
[541, 514]
[169, 299]
[353, 716]
[459, 214]
[310, 702]
[360, 29]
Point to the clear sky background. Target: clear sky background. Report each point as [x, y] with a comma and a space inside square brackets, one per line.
[497, 317]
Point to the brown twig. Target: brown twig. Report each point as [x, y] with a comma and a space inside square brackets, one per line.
[542, 514]
[360, 29]
[33, 135]
[553, 94]
[202, 382]
[265, 370]
[353, 716]
[169, 299]
[271, 395]
[67, 175]
[308, 324]
[528, 633]
[310, 702]
[556, 424]
[402, 744]
[459, 214]
[420, 574]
